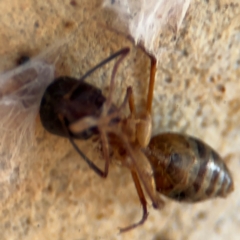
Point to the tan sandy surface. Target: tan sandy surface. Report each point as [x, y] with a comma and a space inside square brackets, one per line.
[54, 194]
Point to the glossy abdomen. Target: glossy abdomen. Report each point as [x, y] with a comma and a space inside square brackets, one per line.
[187, 169]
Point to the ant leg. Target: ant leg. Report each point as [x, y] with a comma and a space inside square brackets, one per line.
[143, 203]
[95, 168]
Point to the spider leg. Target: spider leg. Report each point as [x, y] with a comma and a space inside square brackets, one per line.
[105, 147]
[94, 167]
[108, 103]
[151, 84]
[143, 203]
[122, 52]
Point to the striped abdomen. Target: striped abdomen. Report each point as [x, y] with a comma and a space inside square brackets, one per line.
[186, 169]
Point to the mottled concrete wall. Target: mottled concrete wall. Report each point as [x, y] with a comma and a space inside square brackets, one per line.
[54, 194]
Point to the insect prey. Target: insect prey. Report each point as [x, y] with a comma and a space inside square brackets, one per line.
[178, 166]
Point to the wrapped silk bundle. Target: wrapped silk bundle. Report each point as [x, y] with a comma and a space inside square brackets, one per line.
[21, 90]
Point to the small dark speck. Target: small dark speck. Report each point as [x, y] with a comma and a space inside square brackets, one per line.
[202, 215]
[162, 236]
[212, 79]
[36, 24]
[22, 60]
[185, 53]
[221, 88]
[112, 1]
[68, 24]
[49, 188]
[168, 79]
[73, 3]
[28, 221]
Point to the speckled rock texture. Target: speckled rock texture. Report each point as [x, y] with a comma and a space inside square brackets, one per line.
[52, 193]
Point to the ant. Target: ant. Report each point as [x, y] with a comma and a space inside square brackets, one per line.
[179, 166]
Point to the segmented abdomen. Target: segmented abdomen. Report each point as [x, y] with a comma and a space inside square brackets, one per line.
[187, 169]
[213, 178]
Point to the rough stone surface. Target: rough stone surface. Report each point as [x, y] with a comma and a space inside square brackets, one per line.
[53, 194]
